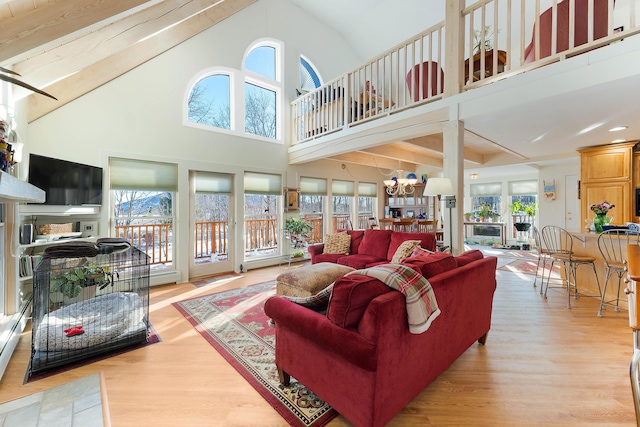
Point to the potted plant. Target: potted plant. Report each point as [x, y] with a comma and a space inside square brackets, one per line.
[484, 211]
[297, 229]
[70, 283]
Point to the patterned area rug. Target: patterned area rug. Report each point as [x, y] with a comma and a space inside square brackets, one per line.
[528, 266]
[234, 323]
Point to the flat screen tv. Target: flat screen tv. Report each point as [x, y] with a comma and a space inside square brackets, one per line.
[64, 182]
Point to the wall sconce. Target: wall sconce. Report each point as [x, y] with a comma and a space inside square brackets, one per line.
[442, 187]
[473, 175]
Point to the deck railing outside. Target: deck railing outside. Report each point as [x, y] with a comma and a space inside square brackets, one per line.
[153, 239]
[499, 38]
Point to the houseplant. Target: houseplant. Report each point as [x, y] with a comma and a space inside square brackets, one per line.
[297, 229]
[71, 282]
[484, 211]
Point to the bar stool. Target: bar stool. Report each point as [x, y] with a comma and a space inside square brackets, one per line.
[559, 243]
[543, 257]
[613, 247]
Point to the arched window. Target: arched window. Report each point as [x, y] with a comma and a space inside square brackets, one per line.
[262, 88]
[309, 78]
[209, 101]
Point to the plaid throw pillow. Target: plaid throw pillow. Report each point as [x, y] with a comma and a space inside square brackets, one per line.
[404, 250]
[419, 252]
[337, 243]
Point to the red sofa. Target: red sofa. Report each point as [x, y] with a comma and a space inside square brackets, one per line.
[371, 247]
[361, 358]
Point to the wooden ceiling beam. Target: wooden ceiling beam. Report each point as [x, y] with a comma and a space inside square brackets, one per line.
[374, 161]
[393, 153]
[78, 54]
[37, 27]
[125, 60]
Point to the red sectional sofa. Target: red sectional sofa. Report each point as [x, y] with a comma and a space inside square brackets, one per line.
[361, 358]
[371, 247]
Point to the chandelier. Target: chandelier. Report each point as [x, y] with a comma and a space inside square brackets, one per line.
[400, 186]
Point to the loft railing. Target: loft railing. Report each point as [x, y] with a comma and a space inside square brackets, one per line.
[497, 39]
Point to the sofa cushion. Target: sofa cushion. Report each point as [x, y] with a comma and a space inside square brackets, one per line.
[360, 261]
[337, 243]
[434, 264]
[469, 256]
[351, 296]
[356, 239]
[328, 258]
[404, 251]
[376, 243]
[427, 241]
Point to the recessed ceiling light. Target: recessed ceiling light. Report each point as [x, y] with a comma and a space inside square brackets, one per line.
[618, 140]
[617, 128]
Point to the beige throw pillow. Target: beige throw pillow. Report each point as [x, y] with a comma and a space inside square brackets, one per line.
[337, 243]
[404, 250]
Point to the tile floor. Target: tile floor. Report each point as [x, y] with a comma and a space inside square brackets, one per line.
[78, 403]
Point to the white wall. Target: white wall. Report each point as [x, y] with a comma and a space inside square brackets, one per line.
[139, 115]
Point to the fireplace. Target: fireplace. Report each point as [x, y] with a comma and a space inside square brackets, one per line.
[86, 306]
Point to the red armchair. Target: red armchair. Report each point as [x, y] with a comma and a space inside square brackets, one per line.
[581, 35]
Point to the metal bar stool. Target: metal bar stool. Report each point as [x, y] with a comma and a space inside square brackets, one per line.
[543, 257]
[613, 247]
[559, 243]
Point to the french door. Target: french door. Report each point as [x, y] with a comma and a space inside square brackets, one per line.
[211, 223]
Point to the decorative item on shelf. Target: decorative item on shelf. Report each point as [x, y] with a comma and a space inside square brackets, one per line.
[398, 186]
[601, 210]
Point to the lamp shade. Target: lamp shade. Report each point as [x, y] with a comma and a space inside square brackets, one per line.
[438, 187]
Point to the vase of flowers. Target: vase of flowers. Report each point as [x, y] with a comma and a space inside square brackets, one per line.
[601, 210]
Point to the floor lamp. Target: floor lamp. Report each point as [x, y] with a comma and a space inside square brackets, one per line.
[442, 187]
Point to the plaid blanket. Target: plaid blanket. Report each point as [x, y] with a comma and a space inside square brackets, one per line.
[422, 307]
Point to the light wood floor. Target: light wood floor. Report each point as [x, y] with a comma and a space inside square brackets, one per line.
[543, 365]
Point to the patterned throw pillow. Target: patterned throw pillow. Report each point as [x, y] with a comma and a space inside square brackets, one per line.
[419, 252]
[405, 249]
[337, 243]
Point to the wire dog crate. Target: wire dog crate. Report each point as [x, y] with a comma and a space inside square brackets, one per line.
[86, 306]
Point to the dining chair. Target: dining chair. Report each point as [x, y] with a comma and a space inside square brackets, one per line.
[386, 223]
[427, 225]
[613, 247]
[543, 257]
[559, 243]
[404, 224]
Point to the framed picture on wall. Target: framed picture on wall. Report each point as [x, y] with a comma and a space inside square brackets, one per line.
[292, 199]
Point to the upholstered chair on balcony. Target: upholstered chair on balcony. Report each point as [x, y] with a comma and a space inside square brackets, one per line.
[581, 35]
[428, 70]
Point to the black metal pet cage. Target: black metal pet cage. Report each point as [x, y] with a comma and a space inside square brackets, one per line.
[84, 306]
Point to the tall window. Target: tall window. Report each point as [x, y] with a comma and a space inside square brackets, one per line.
[261, 194]
[209, 102]
[142, 195]
[487, 194]
[525, 192]
[341, 204]
[212, 202]
[367, 203]
[313, 194]
[261, 91]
